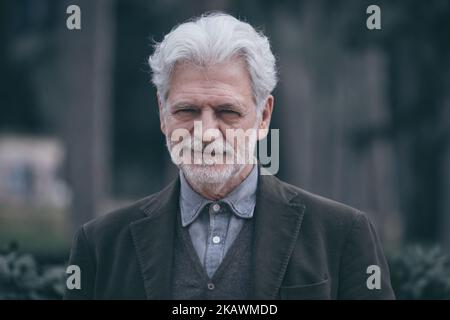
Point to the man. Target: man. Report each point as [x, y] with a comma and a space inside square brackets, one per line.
[222, 230]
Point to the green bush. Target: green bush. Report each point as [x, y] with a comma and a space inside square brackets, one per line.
[421, 273]
[22, 278]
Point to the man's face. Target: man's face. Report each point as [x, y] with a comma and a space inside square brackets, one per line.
[219, 97]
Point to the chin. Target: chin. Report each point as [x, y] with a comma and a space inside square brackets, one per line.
[216, 174]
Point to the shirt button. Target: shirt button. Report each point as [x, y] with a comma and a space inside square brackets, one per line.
[211, 286]
[216, 207]
[216, 239]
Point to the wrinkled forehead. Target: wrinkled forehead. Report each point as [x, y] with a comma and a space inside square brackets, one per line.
[218, 83]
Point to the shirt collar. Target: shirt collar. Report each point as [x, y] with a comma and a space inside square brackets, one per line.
[241, 200]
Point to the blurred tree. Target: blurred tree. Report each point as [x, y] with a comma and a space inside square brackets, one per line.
[415, 38]
[86, 71]
[19, 107]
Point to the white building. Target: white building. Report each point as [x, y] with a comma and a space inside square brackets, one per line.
[30, 169]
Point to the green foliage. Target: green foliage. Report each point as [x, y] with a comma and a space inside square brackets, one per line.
[22, 278]
[421, 273]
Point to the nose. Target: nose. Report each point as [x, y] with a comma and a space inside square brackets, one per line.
[210, 126]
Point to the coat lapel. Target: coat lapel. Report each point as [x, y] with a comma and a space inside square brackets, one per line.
[278, 218]
[153, 238]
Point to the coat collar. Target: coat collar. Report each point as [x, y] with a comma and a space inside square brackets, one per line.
[278, 218]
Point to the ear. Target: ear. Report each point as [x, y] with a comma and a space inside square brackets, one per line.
[266, 116]
[161, 114]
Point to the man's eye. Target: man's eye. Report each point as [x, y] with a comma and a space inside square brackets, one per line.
[228, 111]
[186, 111]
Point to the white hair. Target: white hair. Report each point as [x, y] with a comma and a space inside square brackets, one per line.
[214, 38]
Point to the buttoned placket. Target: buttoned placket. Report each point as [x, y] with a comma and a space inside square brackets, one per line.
[218, 226]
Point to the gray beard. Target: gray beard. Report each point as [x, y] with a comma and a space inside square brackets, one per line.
[200, 176]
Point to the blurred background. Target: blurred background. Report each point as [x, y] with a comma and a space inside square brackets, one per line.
[364, 115]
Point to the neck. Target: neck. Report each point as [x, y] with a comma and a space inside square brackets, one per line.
[215, 192]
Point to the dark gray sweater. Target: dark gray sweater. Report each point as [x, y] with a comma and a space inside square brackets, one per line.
[230, 281]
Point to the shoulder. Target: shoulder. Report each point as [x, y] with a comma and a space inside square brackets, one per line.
[116, 223]
[318, 210]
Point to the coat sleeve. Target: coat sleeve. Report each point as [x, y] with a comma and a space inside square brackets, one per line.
[81, 255]
[363, 250]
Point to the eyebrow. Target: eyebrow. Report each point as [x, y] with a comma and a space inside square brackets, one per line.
[227, 105]
[183, 105]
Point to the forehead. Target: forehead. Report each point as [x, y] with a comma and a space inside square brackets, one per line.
[224, 82]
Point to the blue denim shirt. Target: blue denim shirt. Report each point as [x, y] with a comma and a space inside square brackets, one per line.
[214, 225]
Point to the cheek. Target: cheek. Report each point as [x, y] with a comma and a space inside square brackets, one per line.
[244, 123]
[250, 122]
[173, 124]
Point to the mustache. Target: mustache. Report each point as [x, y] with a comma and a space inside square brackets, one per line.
[196, 145]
